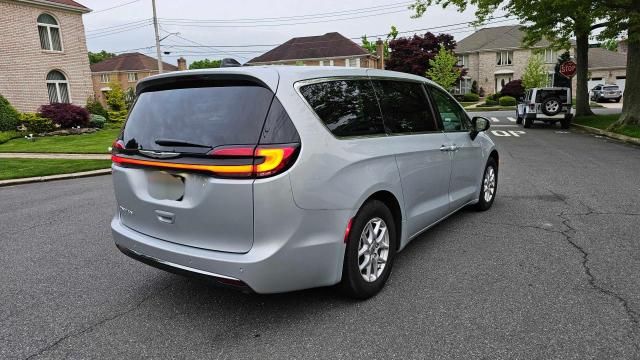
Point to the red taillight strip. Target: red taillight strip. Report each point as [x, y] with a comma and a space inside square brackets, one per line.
[218, 169]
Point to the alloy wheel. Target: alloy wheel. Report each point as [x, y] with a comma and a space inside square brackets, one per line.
[373, 249]
[489, 184]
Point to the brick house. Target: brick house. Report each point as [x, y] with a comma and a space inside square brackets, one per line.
[126, 69]
[330, 49]
[43, 53]
[494, 56]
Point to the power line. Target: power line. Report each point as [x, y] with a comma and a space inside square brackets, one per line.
[118, 26]
[99, 35]
[113, 7]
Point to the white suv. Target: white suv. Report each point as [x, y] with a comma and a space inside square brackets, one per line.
[550, 105]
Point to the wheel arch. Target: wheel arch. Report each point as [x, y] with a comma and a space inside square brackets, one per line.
[392, 202]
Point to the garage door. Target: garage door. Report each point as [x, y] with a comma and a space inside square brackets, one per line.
[620, 80]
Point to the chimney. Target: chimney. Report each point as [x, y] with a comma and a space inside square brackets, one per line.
[623, 46]
[380, 54]
[182, 63]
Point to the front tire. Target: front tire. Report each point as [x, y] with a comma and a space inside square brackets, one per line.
[527, 122]
[489, 186]
[371, 249]
[518, 118]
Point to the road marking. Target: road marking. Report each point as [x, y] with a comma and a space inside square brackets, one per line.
[511, 119]
[495, 119]
[500, 125]
[514, 133]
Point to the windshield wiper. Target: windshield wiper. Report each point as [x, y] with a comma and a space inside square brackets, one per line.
[175, 142]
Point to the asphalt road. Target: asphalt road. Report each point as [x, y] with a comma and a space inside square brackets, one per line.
[551, 271]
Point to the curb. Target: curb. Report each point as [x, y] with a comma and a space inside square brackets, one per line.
[623, 138]
[54, 177]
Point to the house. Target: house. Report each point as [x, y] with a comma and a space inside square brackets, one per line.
[330, 49]
[494, 56]
[126, 69]
[43, 53]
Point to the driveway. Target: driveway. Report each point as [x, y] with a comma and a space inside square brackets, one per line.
[551, 271]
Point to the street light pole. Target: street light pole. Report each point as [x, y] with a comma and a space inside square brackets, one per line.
[155, 25]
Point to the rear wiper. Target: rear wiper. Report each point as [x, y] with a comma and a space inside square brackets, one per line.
[175, 142]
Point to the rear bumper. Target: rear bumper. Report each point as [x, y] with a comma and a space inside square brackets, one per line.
[300, 262]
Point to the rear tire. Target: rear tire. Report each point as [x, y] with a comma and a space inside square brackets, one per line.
[518, 118]
[488, 186]
[618, 100]
[566, 122]
[527, 122]
[371, 245]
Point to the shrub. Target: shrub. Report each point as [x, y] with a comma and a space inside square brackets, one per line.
[118, 116]
[507, 101]
[474, 87]
[490, 102]
[35, 123]
[129, 98]
[97, 121]
[471, 97]
[481, 92]
[8, 135]
[65, 115]
[95, 107]
[115, 97]
[513, 88]
[9, 117]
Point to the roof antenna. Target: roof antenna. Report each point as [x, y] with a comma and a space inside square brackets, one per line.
[229, 62]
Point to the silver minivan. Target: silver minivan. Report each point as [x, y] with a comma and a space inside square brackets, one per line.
[275, 179]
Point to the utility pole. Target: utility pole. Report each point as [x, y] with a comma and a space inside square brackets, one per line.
[155, 25]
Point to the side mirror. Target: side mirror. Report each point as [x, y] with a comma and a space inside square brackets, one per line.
[479, 124]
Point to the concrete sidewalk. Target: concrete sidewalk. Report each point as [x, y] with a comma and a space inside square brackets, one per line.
[55, 156]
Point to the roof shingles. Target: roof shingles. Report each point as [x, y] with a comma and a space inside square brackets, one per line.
[130, 62]
[67, 3]
[328, 45]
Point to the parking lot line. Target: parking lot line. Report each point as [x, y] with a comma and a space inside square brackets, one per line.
[494, 119]
[511, 119]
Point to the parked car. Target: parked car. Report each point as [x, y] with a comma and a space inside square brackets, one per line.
[550, 105]
[601, 93]
[275, 179]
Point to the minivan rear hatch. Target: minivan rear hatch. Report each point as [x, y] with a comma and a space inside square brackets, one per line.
[181, 122]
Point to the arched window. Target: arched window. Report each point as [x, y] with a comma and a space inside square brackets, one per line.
[49, 31]
[58, 87]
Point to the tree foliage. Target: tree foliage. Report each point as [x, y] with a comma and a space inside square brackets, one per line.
[412, 55]
[370, 46]
[513, 88]
[443, 69]
[99, 56]
[205, 64]
[535, 73]
[9, 117]
[115, 97]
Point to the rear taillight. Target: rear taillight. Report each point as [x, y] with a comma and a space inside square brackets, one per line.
[117, 145]
[233, 161]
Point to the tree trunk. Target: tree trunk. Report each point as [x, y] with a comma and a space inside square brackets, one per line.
[582, 73]
[631, 106]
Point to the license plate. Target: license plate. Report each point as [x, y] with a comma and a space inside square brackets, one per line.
[165, 186]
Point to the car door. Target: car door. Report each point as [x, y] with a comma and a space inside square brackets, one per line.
[418, 143]
[465, 153]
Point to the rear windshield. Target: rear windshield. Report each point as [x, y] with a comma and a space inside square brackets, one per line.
[210, 116]
[611, 88]
[543, 94]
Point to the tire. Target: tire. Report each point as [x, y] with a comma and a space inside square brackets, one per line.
[485, 201]
[551, 106]
[518, 118]
[618, 100]
[527, 122]
[353, 282]
[566, 122]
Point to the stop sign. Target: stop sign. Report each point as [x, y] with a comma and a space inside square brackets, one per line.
[568, 69]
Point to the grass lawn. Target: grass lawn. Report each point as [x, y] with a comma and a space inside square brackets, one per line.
[95, 143]
[23, 168]
[603, 122]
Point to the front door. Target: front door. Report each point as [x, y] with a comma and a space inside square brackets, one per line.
[501, 81]
[466, 154]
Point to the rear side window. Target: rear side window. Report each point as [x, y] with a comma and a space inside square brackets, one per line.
[209, 116]
[346, 107]
[611, 88]
[405, 107]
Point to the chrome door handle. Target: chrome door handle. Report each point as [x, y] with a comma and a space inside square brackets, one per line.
[445, 148]
[454, 147]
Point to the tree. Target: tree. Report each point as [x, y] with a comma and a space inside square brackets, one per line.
[205, 64]
[99, 56]
[624, 15]
[370, 46]
[610, 44]
[535, 73]
[513, 88]
[555, 20]
[129, 98]
[443, 69]
[412, 55]
[115, 97]
[94, 106]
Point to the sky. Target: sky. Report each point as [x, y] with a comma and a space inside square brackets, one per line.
[243, 29]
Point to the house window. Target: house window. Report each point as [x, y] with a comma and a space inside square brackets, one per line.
[49, 31]
[321, 62]
[463, 60]
[58, 87]
[504, 58]
[464, 85]
[550, 79]
[104, 78]
[133, 77]
[550, 56]
[330, 62]
[352, 62]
